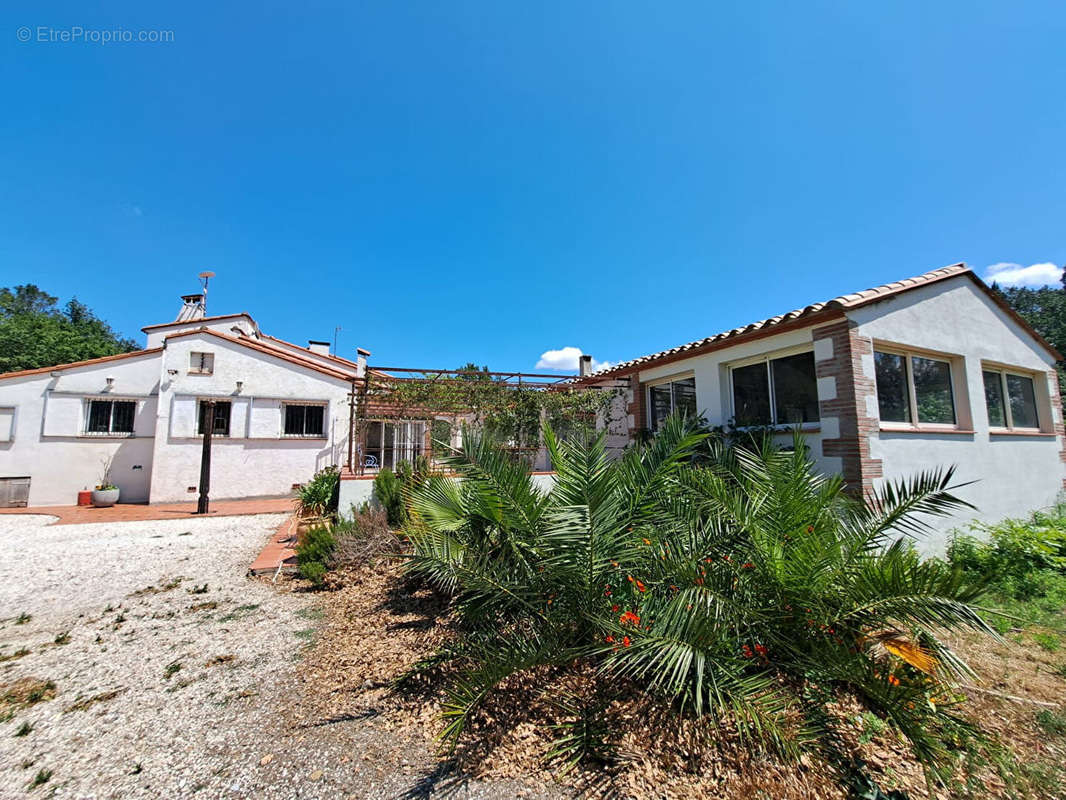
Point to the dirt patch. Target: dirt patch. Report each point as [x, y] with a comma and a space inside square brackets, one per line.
[84, 704]
[26, 692]
[378, 624]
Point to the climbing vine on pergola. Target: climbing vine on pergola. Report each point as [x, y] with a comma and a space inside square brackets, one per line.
[512, 407]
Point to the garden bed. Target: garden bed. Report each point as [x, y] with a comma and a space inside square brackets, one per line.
[379, 623]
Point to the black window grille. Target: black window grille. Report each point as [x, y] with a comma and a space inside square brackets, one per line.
[220, 426]
[305, 420]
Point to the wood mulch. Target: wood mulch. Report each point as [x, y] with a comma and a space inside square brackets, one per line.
[377, 624]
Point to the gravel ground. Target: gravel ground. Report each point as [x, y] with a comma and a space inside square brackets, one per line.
[175, 674]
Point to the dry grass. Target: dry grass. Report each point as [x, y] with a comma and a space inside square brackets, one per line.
[26, 692]
[377, 624]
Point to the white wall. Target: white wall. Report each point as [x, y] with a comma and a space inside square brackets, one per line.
[49, 443]
[255, 459]
[224, 324]
[356, 491]
[1013, 474]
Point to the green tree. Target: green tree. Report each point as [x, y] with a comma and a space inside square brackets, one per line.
[34, 332]
[1045, 310]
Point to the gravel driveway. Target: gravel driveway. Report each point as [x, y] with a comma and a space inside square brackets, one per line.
[174, 674]
[166, 660]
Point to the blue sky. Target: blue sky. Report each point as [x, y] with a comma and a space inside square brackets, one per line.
[488, 181]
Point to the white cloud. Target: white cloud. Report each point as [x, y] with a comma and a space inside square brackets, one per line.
[1034, 276]
[565, 359]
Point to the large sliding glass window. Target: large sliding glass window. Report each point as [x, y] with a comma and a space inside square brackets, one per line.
[777, 391]
[914, 388]
[1011, 400]
[666, 398]
[390, 442]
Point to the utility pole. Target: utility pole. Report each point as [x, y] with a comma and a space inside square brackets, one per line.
[351, 427]
[208, 412]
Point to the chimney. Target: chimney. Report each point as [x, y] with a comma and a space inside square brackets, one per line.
[360, 361]
[192, 307]
[584, 366]
[322, 348]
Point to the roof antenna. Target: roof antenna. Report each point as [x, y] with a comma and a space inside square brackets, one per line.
[204, 278]
[335, 332]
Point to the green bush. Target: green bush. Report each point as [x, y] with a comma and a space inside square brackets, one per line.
[1022, 560]
[751, 587]
[318, 497]
[314, 554]
[389, 491]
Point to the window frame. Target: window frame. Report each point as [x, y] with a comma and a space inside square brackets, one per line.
[210, 370]
[653, 423]
[1039, 404]
[229, 420]
[767, 360]
[412, 448]
[959, 395]
[304, 404]
[110, 432]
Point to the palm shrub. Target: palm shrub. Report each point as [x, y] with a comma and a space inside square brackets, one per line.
[750, 588]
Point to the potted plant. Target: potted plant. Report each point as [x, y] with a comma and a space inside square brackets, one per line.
[105, 494]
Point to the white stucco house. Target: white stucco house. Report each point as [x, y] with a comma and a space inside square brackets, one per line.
[930, 371]
[281, 414]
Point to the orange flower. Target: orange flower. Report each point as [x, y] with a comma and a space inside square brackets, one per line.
[646, 541]
[640, 586]
[747, 651]
[761, 650]
[747, 565]
[629, 578]
[614, 608]
[893, 680]
[699, 581]
[609, 640]
[625, 641]
[629, 617]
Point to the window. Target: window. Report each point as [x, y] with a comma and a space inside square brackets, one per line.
[666, 398]
[110, 416]
[389, 443]
[914, 388]
[776, 391]
[305, 420]
[1010, 399]
[201, 363]
[220, 421]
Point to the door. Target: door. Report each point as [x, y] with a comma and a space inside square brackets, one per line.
[14, 492]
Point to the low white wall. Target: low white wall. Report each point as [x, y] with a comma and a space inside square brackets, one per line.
[356, 491]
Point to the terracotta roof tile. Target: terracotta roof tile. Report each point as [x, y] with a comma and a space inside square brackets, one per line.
[837, 304]
[88, 363]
